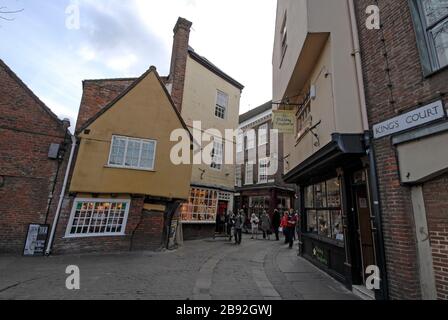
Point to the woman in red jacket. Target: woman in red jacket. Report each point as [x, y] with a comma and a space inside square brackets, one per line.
[284, 226]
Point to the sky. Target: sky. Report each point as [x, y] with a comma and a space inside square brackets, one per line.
[52, 54]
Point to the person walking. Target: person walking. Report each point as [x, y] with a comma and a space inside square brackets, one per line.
[254, 220]
[266, 225]
[238, 222]
[276, 221]
[291, 228]
[284, 226]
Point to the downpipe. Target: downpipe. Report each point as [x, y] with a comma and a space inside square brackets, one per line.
[61, 198]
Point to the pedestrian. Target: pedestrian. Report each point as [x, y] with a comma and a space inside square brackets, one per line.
[238, 227]
[276, 219]
[266, 225]
[291, 228]
[230, 218]
[254, 221]
[284, 226]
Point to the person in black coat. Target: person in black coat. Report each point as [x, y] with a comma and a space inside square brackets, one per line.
[276, 218]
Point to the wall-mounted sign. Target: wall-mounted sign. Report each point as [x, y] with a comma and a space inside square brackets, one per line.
[36, 240]
[284, 121]
[423, 115]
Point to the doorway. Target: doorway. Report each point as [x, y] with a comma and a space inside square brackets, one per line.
[223, 207]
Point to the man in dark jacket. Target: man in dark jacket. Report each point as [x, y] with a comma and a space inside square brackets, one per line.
[276, 223]
[238, 226]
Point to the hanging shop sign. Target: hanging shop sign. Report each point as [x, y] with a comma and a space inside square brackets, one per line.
[415, 118]
[284, 121]
[36, 240]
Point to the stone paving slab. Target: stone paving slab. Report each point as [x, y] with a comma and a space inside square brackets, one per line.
[201, 270]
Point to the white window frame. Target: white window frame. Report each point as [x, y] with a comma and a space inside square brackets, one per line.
[200, 206]
[238, 176]
[225, 108]
[263, 170]
[246, 175]
[251, 144]
[217, 157]
[124, 166]
[68, 233]
[240, 143]
[263, 134]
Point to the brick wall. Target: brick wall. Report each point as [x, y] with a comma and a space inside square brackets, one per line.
[143, 232]
[436, 202]
[409, 89]
[97, 94]
[27, 129]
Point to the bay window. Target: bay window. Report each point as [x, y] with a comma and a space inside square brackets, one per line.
[98, 217]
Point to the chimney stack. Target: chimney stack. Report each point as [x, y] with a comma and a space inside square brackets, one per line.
[179, 60]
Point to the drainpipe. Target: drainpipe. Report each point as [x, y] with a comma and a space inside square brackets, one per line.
[61, 197]
[373, 180]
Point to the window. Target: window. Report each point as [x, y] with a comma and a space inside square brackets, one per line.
[240, 143]
[98, 218]
[249, 176]
[263, 170]
[431, 23]
[217, 155]
[258, 205]
[238, 176]
[323, 210]
[304, 119]
[222, 102]
[251, 140]
[284, 38]
[263, 135]
[284, 203]
[132, 153]
[201, 207]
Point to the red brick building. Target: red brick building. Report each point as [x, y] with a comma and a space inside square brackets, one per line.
[406, 82]
[30, 178]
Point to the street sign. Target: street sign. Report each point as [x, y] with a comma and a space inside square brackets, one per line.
[423, 115]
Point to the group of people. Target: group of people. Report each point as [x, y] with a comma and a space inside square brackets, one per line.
[286, 224]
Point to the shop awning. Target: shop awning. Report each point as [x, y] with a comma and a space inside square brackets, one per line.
[341, 151]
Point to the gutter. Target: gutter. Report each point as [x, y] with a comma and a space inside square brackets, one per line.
[61, 198]
[382, 293]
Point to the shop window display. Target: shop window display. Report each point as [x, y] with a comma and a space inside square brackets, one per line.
[323, 210]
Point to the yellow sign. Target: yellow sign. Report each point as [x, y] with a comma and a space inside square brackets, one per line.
[284, 121]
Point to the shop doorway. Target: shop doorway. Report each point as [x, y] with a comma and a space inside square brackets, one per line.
[223, 206]
[364, 230]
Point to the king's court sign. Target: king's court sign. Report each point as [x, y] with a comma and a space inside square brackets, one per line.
[412, 119]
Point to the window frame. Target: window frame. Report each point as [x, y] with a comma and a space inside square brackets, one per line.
[238, 176]
[324, 208]
[425, 42]
[217, 106]
[266, 162]
[263, 128]
[253, 144]
[246, 181]
[122, 233]
[124, 166]
[217, 156]
[201, 202]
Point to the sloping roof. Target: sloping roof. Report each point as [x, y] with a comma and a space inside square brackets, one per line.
[213, 68]
[11, 73]
[255, 112]
[126, 91]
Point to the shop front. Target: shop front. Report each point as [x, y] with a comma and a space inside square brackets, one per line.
[203, 215]
[338, 226]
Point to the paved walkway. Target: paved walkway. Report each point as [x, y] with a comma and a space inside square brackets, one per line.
[207, 269]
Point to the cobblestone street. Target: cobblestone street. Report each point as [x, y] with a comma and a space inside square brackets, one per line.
[200, 270]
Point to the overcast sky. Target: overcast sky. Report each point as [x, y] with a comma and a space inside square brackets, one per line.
[120, 38]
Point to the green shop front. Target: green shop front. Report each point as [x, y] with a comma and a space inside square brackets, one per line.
[338, 227]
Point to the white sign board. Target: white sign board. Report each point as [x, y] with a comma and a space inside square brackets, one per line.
[426, 114]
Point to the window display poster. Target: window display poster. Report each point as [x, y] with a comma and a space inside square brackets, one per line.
[36, 240]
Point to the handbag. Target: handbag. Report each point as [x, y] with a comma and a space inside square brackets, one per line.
[280, 229]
